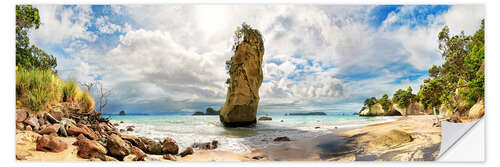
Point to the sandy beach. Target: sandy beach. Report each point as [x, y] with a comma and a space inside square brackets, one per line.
[410, 138]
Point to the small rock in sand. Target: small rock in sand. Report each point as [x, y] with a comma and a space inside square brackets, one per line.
[284, 138]
[187, 151]
[169, 157]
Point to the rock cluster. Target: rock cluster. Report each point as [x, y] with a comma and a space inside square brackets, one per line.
[97, 138]
[242, 99]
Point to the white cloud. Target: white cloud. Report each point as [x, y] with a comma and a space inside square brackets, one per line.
[60, 24]
[106, 27]
[174, 56]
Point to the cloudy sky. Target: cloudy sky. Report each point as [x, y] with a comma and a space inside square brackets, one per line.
[164, 58]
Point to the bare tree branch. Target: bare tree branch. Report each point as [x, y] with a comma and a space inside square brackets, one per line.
[103, 96]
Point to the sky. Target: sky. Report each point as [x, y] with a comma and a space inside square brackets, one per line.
[171, 58]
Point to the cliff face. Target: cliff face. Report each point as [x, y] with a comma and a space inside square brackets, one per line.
[242, 99]
[377, 110]
[394, 109]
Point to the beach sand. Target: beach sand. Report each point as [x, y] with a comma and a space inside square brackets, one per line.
[368, 143]
[416, 140]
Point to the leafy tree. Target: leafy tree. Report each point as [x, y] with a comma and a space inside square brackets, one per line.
[370, 101]
[29, 56]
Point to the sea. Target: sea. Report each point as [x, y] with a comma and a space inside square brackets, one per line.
[188, 129]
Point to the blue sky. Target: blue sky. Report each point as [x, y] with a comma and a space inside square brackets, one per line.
[166, 58]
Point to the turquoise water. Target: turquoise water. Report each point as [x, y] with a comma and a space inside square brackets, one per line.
[187, 129]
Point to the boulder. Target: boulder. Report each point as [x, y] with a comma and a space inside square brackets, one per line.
[33, 121]
[47, 143]
[170, 146]
[187, 151]
[153, 147]
[28, 128]
[415, 109]
[89, 148]
[265, 118]
[117, 147]
[284, 138]
[51, 118]
[139, 154]
[21, 115]
[242, 98]
[135, 141]
[50, 129]
[477, 110]
[81, 129]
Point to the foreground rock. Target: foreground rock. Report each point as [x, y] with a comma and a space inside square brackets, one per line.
[284, 138]
[153, 147]
[187, 151]
[90, 148]
[81, 129]
[206, 146]
[170, 146]
[50, 129]
[117, 147]
[242, 99]
[50, 144]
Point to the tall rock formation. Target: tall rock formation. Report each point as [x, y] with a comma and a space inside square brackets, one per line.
[242, 99]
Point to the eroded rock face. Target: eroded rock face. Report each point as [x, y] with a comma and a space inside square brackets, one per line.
[242, 99]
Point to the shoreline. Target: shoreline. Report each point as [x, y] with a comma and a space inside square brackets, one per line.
[343, 144]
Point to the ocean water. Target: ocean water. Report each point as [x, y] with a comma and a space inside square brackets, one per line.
[187, 129]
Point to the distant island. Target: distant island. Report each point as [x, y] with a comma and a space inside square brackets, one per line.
[209, 111]
[122, 112]
[307, 113]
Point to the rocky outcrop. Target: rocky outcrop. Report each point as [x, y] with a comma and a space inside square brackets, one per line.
[377, 110]
[242, 99]
[477, 110]
[284, 138]
[48, 143]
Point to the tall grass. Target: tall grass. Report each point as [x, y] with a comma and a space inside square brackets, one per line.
[39, 89]
[70, 91]
[87, 102]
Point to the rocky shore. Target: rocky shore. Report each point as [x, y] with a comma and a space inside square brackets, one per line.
[66, 134]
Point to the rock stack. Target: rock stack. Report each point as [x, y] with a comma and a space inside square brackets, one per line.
[242, 99]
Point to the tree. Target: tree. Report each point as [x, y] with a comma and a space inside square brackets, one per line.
[103, 96]
[88, 85]
[30, 56]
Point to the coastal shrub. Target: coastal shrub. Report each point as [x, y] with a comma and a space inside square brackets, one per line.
[86, 102]
[37, 88]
